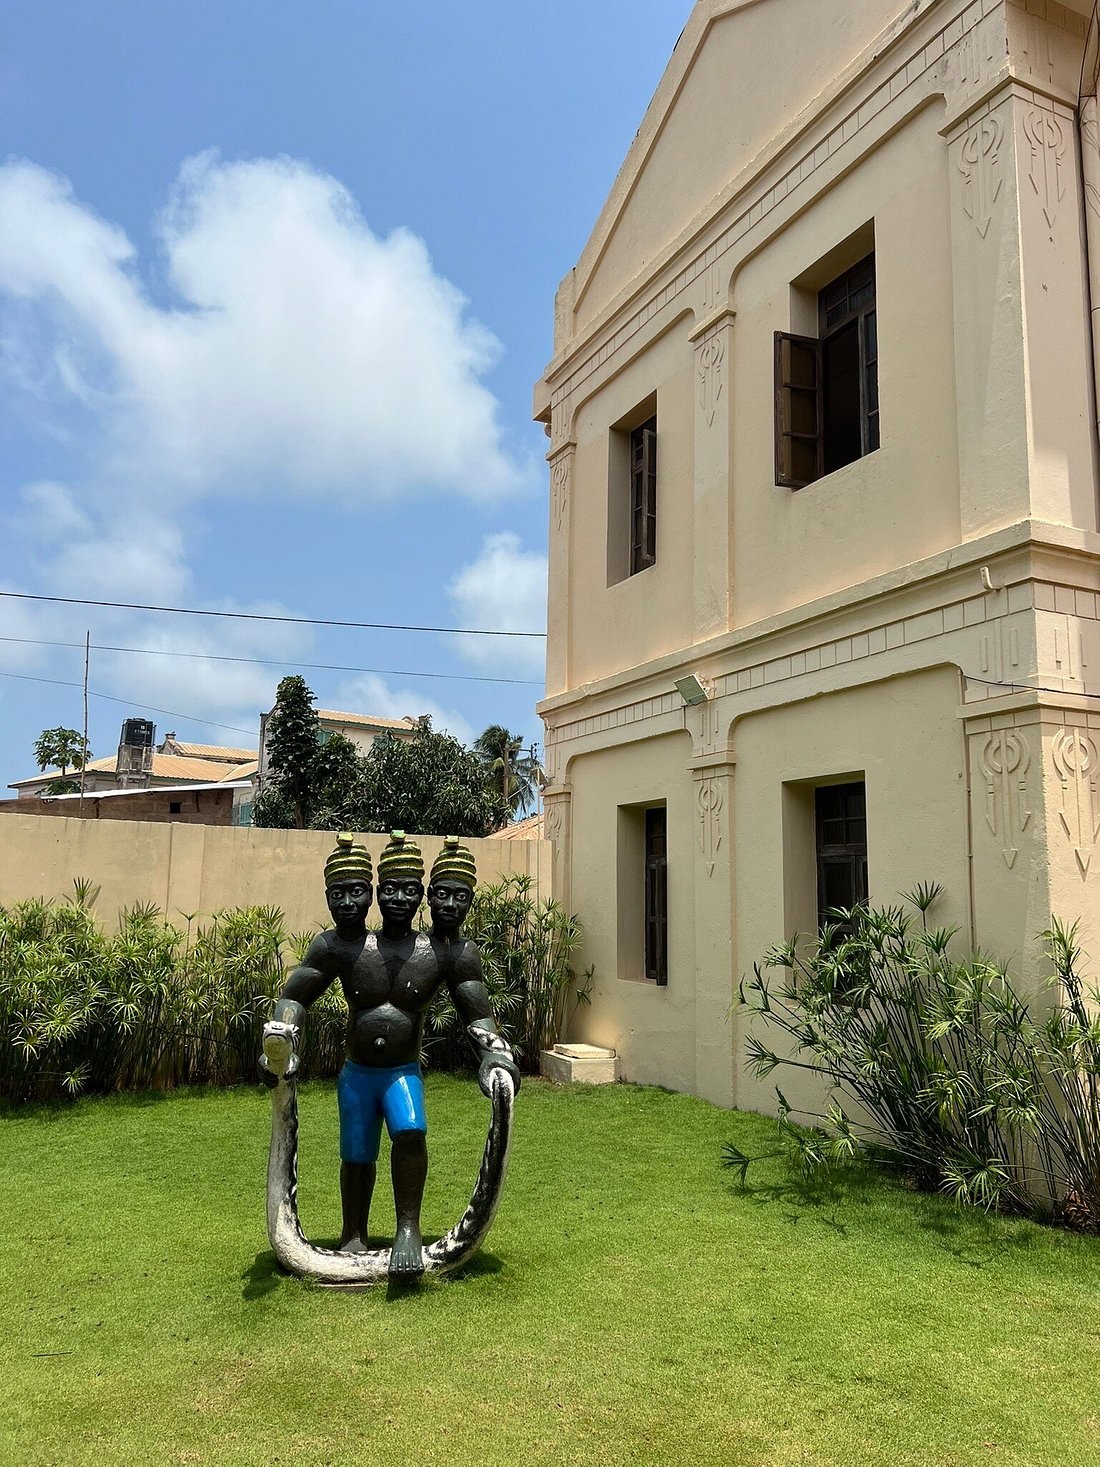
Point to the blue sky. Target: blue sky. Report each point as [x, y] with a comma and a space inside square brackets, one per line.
[275, 283]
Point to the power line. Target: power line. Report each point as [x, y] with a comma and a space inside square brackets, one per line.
[280, 662]
[309, 621]
[54, 682]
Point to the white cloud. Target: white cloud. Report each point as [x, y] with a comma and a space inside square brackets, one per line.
[305, 353]
[369, 694]
[504, 588]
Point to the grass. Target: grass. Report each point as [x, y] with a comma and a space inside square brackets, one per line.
[633, 1306]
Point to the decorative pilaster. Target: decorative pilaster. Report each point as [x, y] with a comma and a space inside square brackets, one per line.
[712, 342]
[562, 462]
[712, 878]
[557, 819]
[1023, 354]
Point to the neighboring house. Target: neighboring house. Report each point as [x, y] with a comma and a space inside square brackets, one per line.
[140, 764]
[361, 728]
[229, 802]
[824, 599]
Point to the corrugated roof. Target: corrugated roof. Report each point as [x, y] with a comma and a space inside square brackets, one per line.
[157, 789]
[214, 751]
[529, 829]
[164, 766]
[365, 720]
[243, 771]
[174, 766]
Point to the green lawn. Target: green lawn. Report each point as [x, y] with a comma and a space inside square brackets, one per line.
[633, 1305]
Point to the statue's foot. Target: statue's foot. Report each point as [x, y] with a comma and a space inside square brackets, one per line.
[354, 1244]
[406, 1255]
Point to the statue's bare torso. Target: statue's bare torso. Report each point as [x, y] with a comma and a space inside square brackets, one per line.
[389, 984]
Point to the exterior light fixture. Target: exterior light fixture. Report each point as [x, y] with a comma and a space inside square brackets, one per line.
[694, 689]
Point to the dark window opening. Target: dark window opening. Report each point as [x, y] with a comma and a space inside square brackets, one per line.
[826, 387]
[841, 823]
[175, 807]
[656, 895]
[643, 496]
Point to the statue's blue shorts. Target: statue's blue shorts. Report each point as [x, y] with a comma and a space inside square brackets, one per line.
[368, 1096]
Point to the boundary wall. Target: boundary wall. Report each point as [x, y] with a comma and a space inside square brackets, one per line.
[197, 870]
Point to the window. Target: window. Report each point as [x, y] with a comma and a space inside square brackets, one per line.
[826, 387]
[643, 496]
[840, 816]
[175, 807]
[632, 493]
[656, 895]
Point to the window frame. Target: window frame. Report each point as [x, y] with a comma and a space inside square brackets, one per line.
[798, 401]
[848, 853]
[655, 895]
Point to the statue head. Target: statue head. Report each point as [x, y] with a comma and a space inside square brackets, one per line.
[451, 886]
[348, 888]
[400, 880]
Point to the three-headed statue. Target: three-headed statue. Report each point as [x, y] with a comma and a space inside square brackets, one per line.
[389, 978]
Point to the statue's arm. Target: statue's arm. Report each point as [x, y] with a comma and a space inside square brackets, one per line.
[306, 983]
[471, 999]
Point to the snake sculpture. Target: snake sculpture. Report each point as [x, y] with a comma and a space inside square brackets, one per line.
[334, 1269]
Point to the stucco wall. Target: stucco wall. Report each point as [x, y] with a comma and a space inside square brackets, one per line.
[202, 869]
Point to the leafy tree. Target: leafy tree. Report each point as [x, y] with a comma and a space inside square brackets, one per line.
[512, 775]
[430, 784]
[314, 783]
[63, 748]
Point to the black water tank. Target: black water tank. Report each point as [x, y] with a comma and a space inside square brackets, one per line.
[138, 733]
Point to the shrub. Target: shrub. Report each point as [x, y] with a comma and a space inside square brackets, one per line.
[527, 947]
[82, 1011]
[155, 1005]
[935, 1064]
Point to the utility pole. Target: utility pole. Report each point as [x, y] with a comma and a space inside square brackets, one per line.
[84, 752]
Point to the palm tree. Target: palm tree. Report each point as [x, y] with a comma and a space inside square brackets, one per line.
[513, 776]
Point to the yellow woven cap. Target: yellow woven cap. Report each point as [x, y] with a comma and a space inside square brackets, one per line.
[401, 858]
[350, 861]
[455, 862]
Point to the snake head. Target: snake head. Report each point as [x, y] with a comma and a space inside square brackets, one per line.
[280, 1044]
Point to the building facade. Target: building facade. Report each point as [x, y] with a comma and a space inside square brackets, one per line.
[824, 601]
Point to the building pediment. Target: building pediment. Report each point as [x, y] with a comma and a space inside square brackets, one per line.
[743, 73]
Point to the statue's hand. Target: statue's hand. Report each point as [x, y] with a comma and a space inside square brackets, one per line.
[279, 1060]
[496, 1061]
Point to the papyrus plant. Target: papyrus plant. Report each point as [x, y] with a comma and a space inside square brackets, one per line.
[934, 1063]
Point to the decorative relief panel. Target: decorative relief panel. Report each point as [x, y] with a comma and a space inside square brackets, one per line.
[1046, 136]
[978, 55]
[710, 357]
[1090, 147]
[561, 478]
[706, 723]
[1076, 764]
[982, 170]
[1004, 760]
[561, 415]
[1038, 48]
[711, 288]
[710, 800]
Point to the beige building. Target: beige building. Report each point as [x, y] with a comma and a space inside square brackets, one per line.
[824, 595]
[362, 729]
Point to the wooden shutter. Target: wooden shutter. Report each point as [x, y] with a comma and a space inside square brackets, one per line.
[643, 497]
[798, 410]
